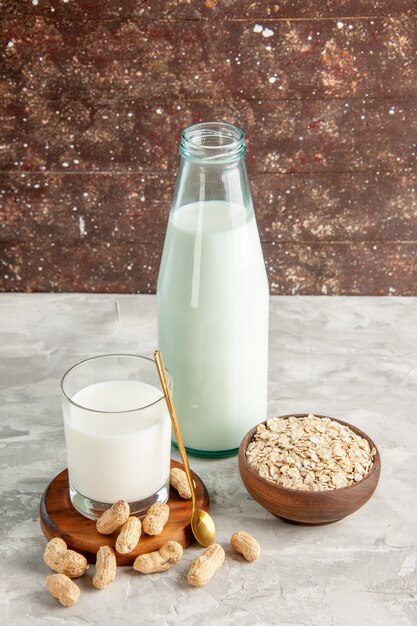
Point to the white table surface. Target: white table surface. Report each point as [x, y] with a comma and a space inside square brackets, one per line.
[352, 358]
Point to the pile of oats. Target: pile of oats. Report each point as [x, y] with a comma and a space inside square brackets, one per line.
[309, 453]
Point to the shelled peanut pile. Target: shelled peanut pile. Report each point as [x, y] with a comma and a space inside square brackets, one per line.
[69, 564]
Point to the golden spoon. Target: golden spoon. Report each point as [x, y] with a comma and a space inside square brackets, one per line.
[202, 524]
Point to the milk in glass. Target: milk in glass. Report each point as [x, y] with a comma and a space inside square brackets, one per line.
[116, 452]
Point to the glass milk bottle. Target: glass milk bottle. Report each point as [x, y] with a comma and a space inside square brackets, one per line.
[213, 295]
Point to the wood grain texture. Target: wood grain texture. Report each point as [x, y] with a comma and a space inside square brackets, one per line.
[94, 97]
[293, 136]
[309, 507]
[107, 267]
[272, 10]
[126, 60]
[58, 518]
[313, 207]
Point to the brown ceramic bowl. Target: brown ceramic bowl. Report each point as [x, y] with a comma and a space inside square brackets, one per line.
[309, 507]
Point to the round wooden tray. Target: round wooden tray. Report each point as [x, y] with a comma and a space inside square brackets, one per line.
[58, 518]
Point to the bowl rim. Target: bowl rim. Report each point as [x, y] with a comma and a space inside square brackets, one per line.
[376, 466]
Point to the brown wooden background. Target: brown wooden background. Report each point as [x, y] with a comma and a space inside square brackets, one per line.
[95, 94]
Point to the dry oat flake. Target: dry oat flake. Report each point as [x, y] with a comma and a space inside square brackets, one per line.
[309, 453]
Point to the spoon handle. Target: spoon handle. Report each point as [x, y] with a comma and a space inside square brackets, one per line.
[174, 420]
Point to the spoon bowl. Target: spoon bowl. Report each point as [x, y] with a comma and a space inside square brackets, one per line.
[203, 527]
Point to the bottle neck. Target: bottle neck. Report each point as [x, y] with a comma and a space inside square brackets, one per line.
[212, 167]
[213, 143]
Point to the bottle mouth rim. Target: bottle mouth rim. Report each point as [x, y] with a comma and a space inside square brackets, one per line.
[212, 142]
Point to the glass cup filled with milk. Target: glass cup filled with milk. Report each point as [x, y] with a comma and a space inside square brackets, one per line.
[117, 434]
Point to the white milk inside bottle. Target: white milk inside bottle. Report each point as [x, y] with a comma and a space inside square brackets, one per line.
[213, 322]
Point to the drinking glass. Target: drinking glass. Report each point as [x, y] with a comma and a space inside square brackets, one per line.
[117, 433]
